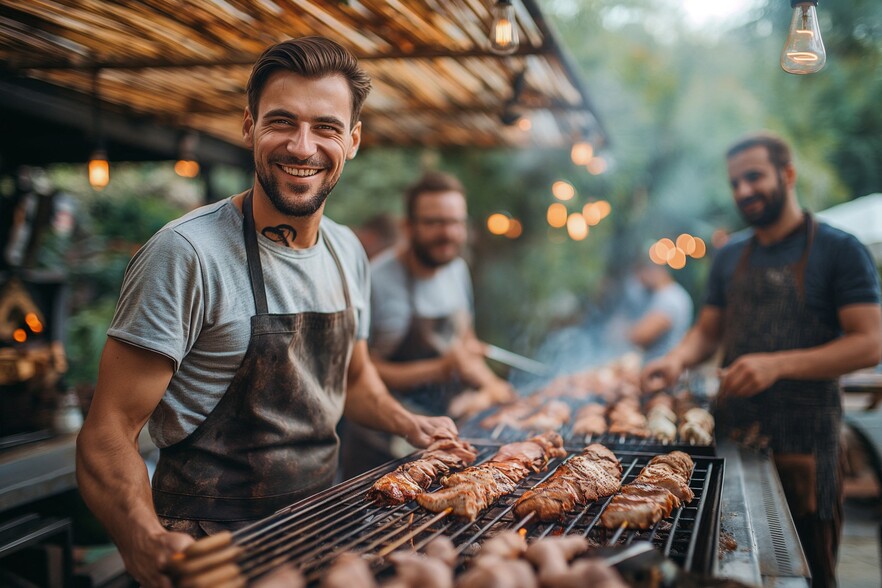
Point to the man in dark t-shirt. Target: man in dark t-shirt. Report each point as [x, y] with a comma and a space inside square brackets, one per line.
[793, 304]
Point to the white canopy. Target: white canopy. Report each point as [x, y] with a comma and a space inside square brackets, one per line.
[862, 217]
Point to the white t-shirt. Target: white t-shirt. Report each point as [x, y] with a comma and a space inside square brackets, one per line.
[186, 295]
[446, 293]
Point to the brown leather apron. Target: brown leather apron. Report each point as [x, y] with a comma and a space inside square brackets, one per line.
[271, 439]
[363, 448]
[765, 312]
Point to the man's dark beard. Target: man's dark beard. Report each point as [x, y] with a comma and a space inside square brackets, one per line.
[271, 188]
[773, 208]
[424, 255]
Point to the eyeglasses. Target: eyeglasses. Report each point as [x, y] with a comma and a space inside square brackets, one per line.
[438, 223]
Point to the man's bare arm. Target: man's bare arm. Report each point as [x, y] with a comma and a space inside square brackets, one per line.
[859, 346]
[699, 344]
[111, 474]
[369, 403]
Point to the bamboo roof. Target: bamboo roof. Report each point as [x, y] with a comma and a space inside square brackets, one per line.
[184, 63]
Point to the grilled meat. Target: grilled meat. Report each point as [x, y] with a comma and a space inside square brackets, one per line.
[590, 420]
[596, 472]
[625, 418]
[697, 427]
[657, 490]
[551, 416]
[475, 488]
[409, 480]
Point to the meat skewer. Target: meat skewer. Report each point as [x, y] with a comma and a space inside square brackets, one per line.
[409, 480]
[584, 478]
[553, 415]
[658, 489]
[475, 488]
[625, 418]
[697, 427]
[590, 420]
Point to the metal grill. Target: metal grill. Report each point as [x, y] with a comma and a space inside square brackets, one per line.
[313, 532]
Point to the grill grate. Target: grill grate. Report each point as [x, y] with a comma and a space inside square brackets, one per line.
[313, 532]
[472, 430]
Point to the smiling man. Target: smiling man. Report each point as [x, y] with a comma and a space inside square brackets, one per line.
[240, 333]
[794, 304]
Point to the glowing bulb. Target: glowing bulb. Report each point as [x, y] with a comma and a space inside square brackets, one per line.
[557, 215]
[187, 168]
[504, 30]
[563, 190]
[577, 228]
[581, 153]
[99, 169]
[498, 223]
[803, 51]
[515, 229]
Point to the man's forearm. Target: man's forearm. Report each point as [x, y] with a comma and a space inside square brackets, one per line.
[831, 360]
[695, 348]
[405, 376]
[114, 483]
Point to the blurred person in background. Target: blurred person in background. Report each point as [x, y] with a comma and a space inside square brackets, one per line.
[667, 314]
[240, 334]
[378, 233]
[422, 338]
[793, 304]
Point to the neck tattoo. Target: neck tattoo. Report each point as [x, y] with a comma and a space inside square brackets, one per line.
[282, 234]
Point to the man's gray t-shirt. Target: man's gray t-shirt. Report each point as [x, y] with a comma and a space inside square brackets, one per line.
[673, 301]
[187, 295]
[447, 293]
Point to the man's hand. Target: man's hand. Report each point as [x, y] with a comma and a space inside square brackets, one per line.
[749, 375]
[423, 428]
[146, 557]
[660, 373]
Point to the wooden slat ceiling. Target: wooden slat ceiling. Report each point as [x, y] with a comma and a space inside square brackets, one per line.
[184, 63]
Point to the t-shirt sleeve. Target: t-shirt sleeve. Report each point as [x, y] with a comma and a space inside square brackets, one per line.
[856, 280]
[716, 284]
[161, 306]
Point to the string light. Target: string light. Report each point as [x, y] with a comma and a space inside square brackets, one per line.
[503, 31]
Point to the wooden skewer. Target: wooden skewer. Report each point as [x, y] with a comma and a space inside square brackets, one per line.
[225, 573]
[208, 544]
[619, 532]
[195, 565]
[402, 540]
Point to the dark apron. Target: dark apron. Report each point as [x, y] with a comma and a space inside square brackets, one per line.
[766, 311]
[364, 448]
[271, 439]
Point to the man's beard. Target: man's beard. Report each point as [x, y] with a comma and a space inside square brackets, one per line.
[772, 209]
[423, 253]
[273, 190]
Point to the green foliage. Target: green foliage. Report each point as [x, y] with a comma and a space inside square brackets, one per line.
[672, 100]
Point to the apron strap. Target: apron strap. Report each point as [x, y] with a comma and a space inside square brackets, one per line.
[252, 252]
[808, 227]
[255, 269]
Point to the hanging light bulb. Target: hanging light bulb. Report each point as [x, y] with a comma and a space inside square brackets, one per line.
[187, 166]
[504, 30]
[803, 52]
[99, 169]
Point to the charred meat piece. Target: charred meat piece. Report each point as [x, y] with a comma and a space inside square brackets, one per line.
[475, 488]
[590, 420]
[657, 490]
[411, 479]
[596, 472]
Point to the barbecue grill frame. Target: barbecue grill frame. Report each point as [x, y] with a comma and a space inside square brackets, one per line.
[311, 533]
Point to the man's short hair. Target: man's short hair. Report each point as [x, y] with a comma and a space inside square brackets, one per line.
[776, 147]
[311, 57]
[432, 181]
